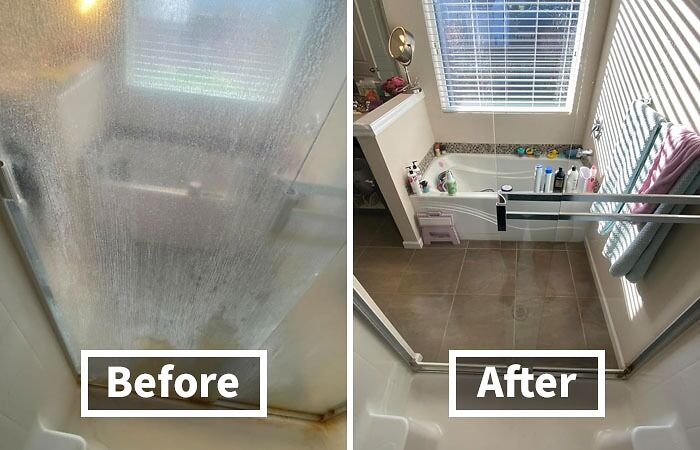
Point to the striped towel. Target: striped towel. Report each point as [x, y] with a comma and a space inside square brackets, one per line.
[631, 248]
[637, 145]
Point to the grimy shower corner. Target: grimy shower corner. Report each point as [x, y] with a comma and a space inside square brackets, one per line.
[172, 178]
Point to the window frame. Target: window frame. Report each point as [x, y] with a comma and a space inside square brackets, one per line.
[431, 23]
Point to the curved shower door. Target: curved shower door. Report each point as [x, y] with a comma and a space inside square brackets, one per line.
[159, 151]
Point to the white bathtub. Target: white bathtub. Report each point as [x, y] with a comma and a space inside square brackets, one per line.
[474, 210]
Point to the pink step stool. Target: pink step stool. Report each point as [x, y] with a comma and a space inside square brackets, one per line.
[437, 227]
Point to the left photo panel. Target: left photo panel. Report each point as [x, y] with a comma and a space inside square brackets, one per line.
[173, 224]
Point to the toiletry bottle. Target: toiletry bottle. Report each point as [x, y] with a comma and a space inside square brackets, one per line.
[539, 178]
[416, 169]
[413, 181]
[436, 149]
[559, 180]
[424, 186]
[451, 184]
[571, 180]
[548, 180]
[590, 183]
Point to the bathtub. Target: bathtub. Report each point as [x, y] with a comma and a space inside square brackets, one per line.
[474, 206]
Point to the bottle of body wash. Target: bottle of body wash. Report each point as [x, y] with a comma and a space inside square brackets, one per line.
[539, 179]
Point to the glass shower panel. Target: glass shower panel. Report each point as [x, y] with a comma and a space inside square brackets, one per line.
[157, 147]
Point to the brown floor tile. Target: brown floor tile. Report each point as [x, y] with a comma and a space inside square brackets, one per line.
[532, 269]
[583, 277]
[387, 235]
[375, 281]
[356, 254]
[380, 259]
[479, 322]
[527, 320]
[462, 244]
[429, 282]
[559, 280]
[541, 245]
[596, 330]
[365, 226]
[504, 245]
[488, 271]
[421, 319]
[432, 271]
[575, 247]
[560, 326]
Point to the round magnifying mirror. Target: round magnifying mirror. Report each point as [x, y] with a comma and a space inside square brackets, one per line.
[401, 44]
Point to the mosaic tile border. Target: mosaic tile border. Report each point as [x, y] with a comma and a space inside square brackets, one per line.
[500, 149]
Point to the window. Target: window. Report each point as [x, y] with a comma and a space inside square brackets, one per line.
[506, 55]
[206, 47]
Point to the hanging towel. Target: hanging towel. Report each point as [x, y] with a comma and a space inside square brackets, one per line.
[642, 126]
[678, 151]
[635, 247]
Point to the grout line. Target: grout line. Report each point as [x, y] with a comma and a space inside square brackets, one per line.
[578, 303]
[447, 324]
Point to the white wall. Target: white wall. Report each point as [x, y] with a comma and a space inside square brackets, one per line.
[662, 63]
[392, 136]
[554, 128]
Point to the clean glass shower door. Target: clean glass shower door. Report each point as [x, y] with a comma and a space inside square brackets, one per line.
[159, 150]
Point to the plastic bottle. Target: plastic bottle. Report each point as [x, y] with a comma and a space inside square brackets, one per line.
[413, 181]
[571, 180]
[451, 184]
[539, 179]
[590, 183]
[548, 180]
[415, 169]
[559, 180]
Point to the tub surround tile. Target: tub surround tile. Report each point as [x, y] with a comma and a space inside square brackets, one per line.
[503, 149]
[427, 159]
[575, 247]
[488, 271]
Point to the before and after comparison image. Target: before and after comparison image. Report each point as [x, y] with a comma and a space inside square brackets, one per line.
[335, 224]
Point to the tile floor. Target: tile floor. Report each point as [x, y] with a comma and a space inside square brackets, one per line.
[482, 294]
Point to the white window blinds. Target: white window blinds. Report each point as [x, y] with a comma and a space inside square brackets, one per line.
[505, 55]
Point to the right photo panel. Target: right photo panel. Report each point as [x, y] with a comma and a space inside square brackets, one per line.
[525, 217]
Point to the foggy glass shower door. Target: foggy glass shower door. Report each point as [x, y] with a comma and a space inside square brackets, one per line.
[157, 149]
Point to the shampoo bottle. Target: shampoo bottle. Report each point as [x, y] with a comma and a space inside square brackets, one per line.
[559, 180]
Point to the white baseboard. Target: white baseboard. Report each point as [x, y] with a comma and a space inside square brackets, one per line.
[413, 245]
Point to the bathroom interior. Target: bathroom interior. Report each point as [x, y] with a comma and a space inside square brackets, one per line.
[157, 193]
[494, 250]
